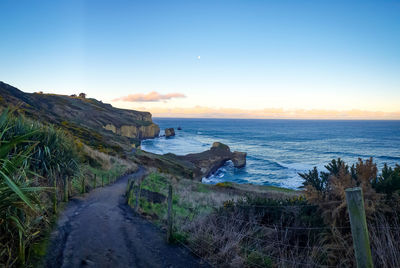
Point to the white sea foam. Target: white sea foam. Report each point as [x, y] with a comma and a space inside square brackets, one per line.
[278, 150]
[301, 167]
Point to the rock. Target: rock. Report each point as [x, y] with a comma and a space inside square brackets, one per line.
[93, 122]
[239, 159]
[140, 132]
[211, 160]
[169, 132]
[179, 128]
[218, 146]
[194, 166]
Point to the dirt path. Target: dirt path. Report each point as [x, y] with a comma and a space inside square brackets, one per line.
[100, 230]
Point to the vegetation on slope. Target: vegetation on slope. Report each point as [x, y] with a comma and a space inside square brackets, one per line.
[242, 225]
[83, 118]
[36, 162]
[194, 204]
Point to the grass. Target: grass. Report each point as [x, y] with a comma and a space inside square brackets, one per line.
[35, 163]
[193, 204]
[266, 226]
[279, 189]
[156, 183]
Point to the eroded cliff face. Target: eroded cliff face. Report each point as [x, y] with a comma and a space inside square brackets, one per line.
[195, 166]
[139, 132]
[97, 124]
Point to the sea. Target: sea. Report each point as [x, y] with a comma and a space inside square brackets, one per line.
[278, 150]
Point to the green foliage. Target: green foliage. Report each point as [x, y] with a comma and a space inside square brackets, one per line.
[388, 182]
[54, 153]
[226, 184]
[91, 137]
[256, 259]
[156, 183]
[312, 178]
[34, 161]
[203, 188]
[320, 181]
[278, 189]
[19, 202]
[157, 210]
[181, 237]
[273, 212]
[31, 155]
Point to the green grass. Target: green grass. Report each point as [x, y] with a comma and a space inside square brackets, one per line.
[193, 202]
[154, 182]
[203, 188]
[254, 258]
[34, 160]
[158, 211]
[226, 184]
[279, 189]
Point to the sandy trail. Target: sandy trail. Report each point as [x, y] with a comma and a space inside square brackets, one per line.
[100, 230]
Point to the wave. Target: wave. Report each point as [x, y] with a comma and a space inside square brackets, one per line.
[388, 157]
[275, 152]
[300, 166]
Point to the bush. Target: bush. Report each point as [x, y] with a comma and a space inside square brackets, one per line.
[256, 259]
[55, 153]
[388, 181]
[28, 153]
[381, 201]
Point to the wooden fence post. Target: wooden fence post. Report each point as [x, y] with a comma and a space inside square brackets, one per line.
[359, 230]
[94, 181]
[55, 196]
[83, 190]
[129, 192]
[137, 197]
[169, 230]
[65, 188]
[102, 181]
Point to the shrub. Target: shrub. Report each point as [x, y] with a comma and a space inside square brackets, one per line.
[388, 181]
[381, 203]
[19, 202]
[30, 154]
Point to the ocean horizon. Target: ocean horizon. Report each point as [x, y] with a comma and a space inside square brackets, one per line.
[278, 149]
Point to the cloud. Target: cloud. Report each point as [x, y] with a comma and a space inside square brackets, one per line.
[150, 97]
[269, 113]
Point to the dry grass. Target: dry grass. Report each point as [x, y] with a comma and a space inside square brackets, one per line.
[273, 228]
[108, 161]
[385, 246]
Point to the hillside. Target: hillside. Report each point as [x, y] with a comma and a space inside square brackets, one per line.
[97, 124]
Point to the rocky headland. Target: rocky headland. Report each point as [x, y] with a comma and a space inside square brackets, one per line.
[193, 166]
[95, 123]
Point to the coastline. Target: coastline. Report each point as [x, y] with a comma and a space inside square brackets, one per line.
[277, 150]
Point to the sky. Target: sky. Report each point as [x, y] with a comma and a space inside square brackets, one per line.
[237, 59]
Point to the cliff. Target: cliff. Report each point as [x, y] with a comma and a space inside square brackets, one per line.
[193, 166]
[97, 124]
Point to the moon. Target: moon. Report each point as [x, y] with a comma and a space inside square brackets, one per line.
[198, 57]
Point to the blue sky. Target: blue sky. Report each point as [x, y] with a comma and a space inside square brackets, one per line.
[254, 55]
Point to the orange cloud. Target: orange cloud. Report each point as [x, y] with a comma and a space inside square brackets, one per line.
[150, 97]
[269, 113]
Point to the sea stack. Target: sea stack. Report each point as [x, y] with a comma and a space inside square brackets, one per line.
[239, 159]
[210, 161]
[169, 132]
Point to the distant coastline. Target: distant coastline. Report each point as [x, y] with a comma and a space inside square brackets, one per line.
[278, 149]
